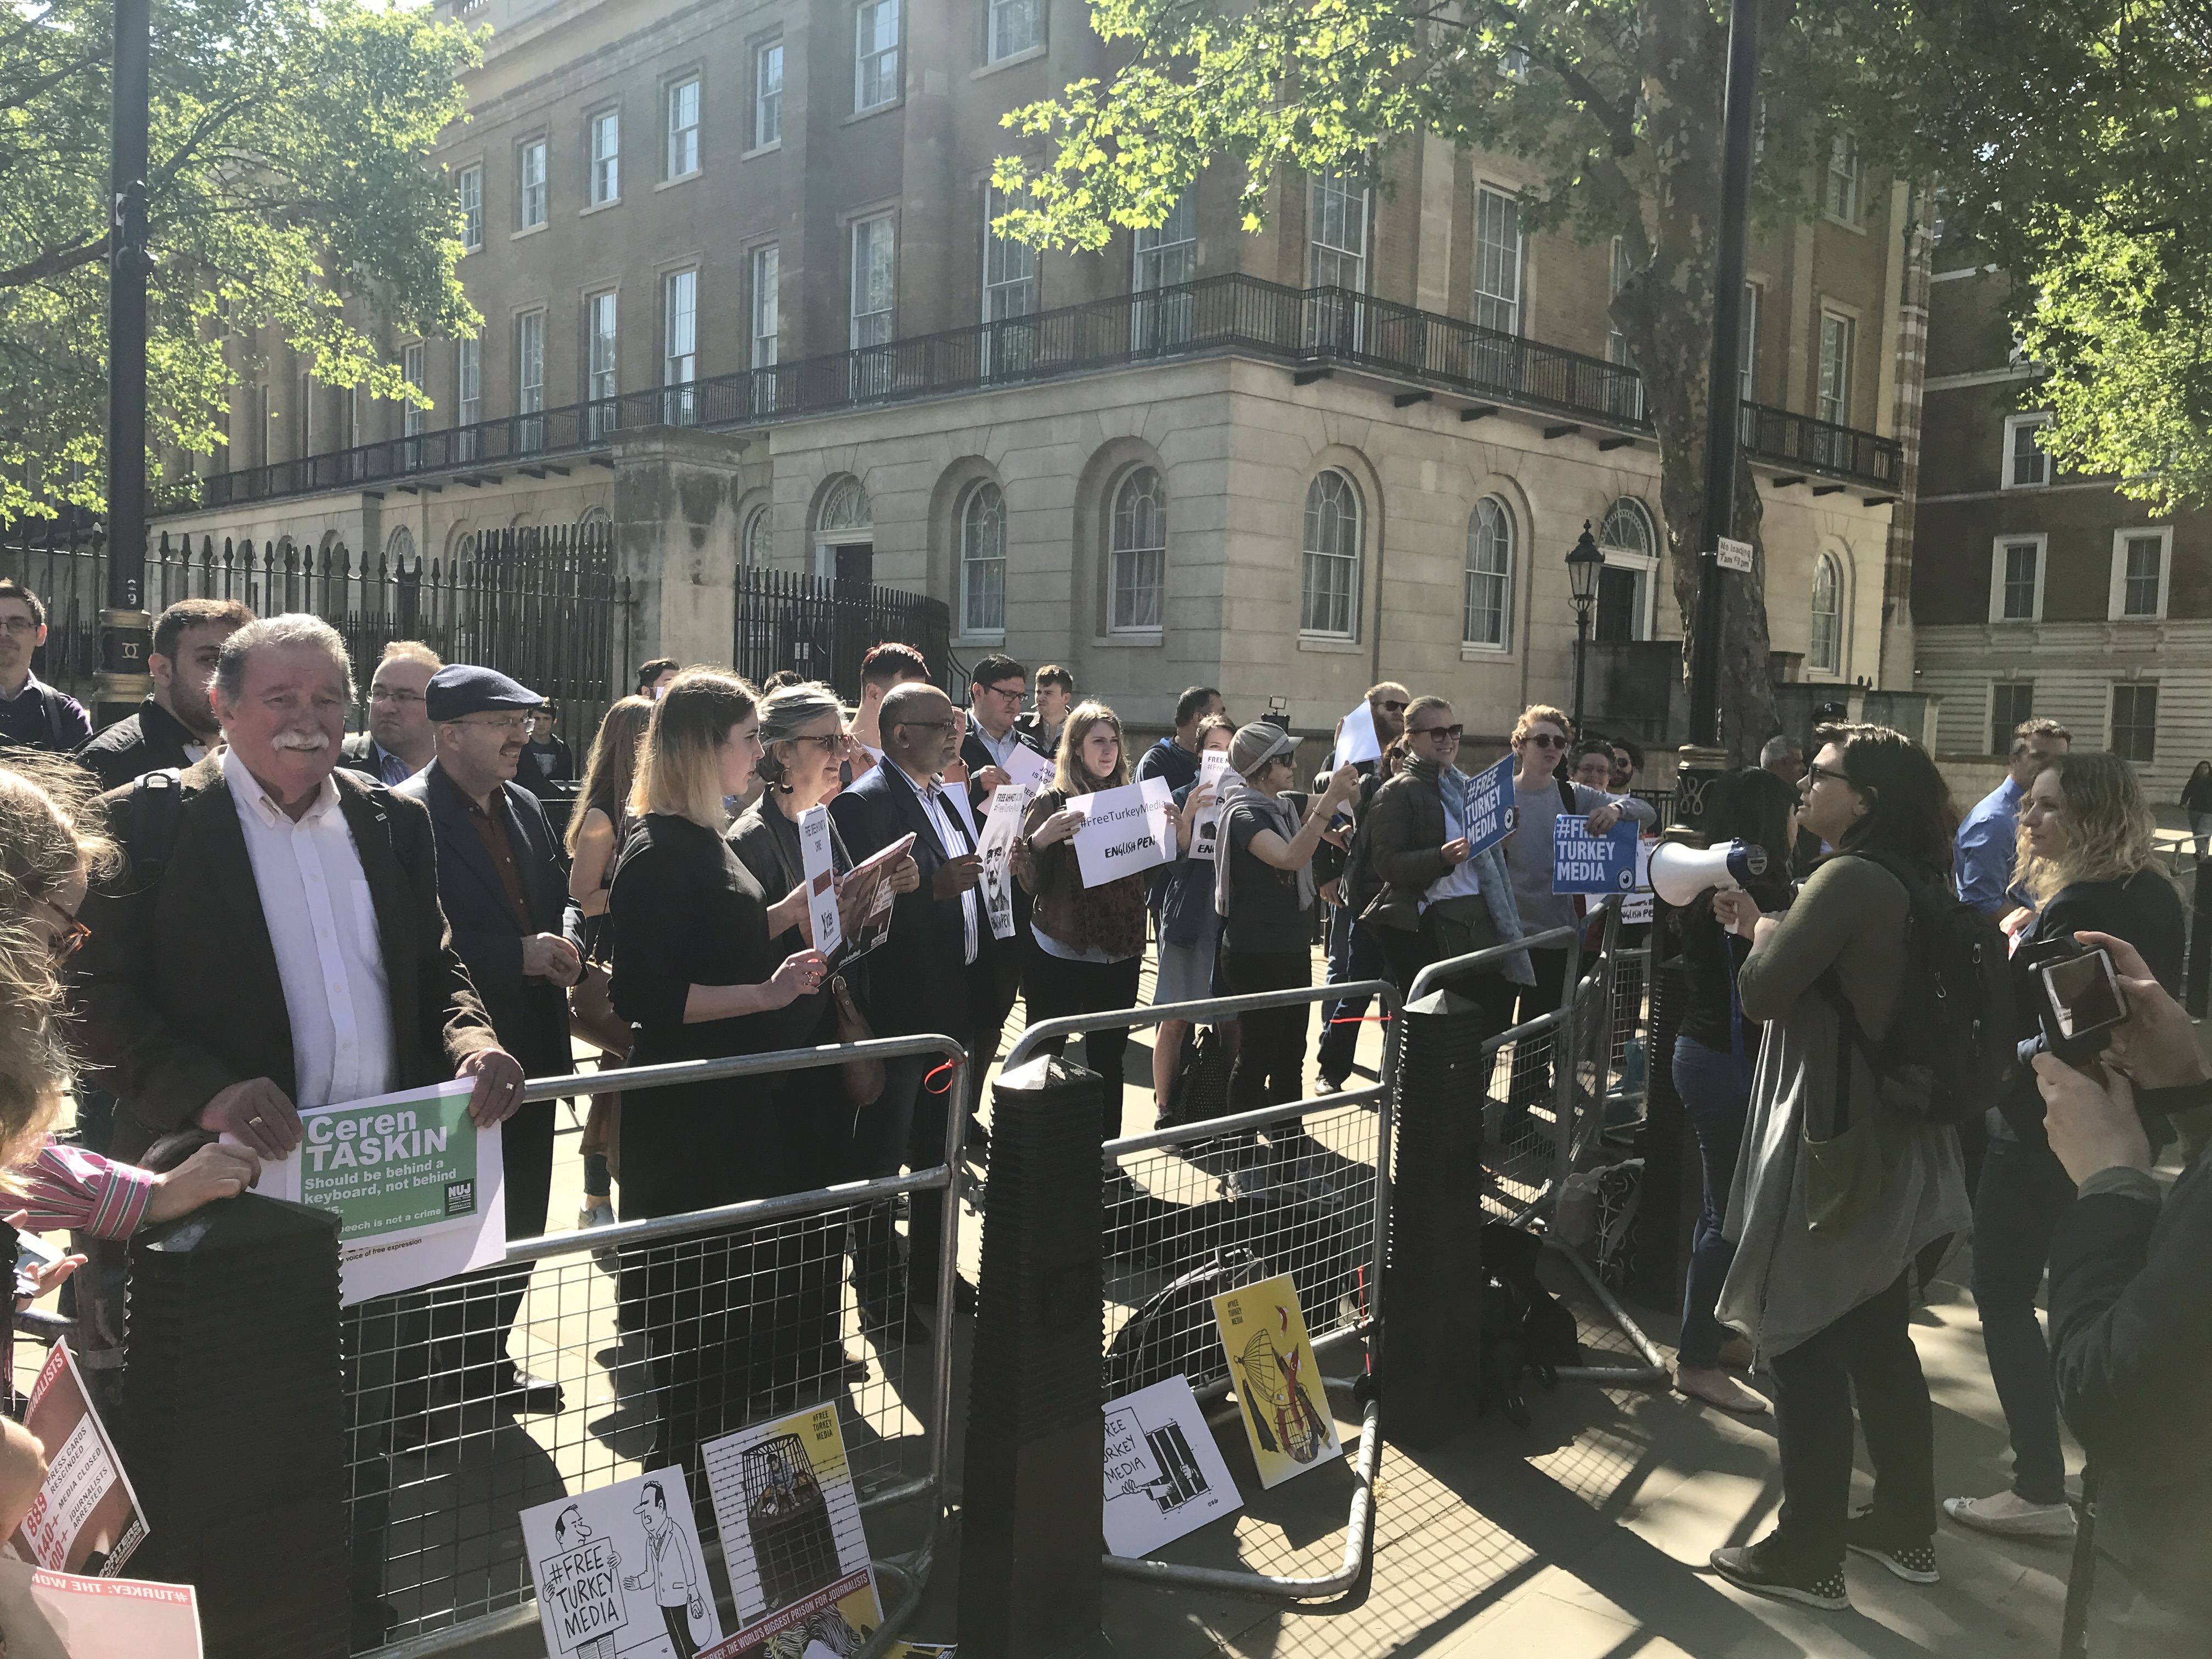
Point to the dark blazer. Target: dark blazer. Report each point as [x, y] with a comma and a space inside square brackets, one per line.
[530, 1015]
[148, 741]
[176, 991]
[976, 757]
[916, 980]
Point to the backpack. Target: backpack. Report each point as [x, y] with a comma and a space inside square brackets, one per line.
[150, 828]
[1524, 1326]
[1199, 1090]
[1949, 1053]
[1172, 1333]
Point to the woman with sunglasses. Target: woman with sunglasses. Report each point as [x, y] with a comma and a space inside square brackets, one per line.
[1540, 796]
[45, 861]
[1836, 1194]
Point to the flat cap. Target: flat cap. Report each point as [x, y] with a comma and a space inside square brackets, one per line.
[464, 689]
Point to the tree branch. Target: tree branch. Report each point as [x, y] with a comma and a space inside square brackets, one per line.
[53, 263]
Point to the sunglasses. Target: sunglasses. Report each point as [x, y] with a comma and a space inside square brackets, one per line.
[1815, 774]
[1448, 733]
[1393, 708]
[1545, 740]
[70, 938]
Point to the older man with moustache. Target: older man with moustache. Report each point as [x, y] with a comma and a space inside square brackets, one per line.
[517, 932]
[399, 743]
[935, 973]
[176, 725]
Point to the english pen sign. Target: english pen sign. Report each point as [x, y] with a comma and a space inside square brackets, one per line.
[1124, 830]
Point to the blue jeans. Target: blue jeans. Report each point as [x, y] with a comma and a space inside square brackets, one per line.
[1716, 1093]
[2023, 1193]
[1354, 953]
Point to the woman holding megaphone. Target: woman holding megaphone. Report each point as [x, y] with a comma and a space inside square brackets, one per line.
[1715, 1049]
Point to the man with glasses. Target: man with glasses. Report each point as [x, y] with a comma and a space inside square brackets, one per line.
[994, 697]
[32, 714]
[516, 930]
[1353, 953]
[399, 743]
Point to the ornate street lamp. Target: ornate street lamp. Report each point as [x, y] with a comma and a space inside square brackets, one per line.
[1584, 563]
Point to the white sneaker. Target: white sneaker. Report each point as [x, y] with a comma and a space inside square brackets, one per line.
[1717, 1387]
[600, 1215]
[2010, 1515]
[1324, 1086]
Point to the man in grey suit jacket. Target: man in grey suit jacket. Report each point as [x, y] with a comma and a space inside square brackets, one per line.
[515, 929]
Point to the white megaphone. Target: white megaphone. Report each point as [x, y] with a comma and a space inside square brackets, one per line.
[1680, 874]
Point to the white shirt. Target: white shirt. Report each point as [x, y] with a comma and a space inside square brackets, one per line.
[322, 925]
[955, 845]
[999, 749]
[1461, 880]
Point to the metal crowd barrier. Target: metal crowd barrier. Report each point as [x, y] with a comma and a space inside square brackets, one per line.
[437, 1480]
[1313, 1201]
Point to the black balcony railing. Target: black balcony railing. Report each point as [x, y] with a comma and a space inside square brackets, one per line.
[1311, 329]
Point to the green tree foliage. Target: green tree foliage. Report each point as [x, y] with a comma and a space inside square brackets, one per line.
[290, 166]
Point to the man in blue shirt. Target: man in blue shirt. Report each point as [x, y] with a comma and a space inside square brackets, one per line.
[1983, 855]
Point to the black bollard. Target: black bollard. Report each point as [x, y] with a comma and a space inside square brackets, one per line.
[1673, 1177]
[1029, 1519]
[1431, 1364]
[232, 1425]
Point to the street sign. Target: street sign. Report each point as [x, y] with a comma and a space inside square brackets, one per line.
[1734, 555]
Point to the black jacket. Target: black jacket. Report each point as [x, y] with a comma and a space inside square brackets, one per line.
[918, 982]
[767, 844]
[176, 991]
[2132, 1347]
[148, 741]
[530, 1015]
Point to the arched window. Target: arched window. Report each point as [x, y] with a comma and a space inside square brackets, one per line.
[1823, 643]
[1626, 584]
[1329, 600]
[400, 551]
[759, 539]
[983, 562]
[1489, 574]
[846, 507]
[1140, 551]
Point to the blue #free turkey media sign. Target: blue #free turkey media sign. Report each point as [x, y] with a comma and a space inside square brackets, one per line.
[1488, 810]
[1583, 863]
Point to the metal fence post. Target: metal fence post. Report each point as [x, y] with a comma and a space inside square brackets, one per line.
[1673, 1177]
[1430, 1365]
[1029, 1551]
[234, 1424]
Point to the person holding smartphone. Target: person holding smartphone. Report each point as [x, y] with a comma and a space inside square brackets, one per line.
[2086, 857]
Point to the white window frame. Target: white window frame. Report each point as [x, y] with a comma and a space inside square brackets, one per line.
[412, 370]
[766, 267]
[2113, 713]
[468, 382]
[1165, 255]
[1643, 564]
[756, 546]
[2015, 424]
[530, 378]
[1309, 519]
[1338, 196]
[682, 153]
[2002, 741]
[972, 561]
[1844, 177]
[874, 325]
[1834, 664]
[602, 357]
[999, 18]
[768, 65]
[1498, 264]
[679, 345]
[1010, 267]
[1999, 547]
[1511, 538]
[1832, 402]
[1129, 550]
[2117, 597]
[602, 148]
[1748, 347]
[533, 184]
[469, 185]
[876, 59]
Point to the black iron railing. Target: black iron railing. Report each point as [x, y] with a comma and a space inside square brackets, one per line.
[821, 627]
[1308, 329]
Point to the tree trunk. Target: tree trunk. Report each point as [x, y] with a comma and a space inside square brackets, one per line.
[1665, 311]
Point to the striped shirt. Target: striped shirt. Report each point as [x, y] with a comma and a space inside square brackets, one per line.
[67, 1189]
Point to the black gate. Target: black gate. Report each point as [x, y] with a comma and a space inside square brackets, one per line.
[822, 627]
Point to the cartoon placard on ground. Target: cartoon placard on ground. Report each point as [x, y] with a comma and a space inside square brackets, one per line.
[791, 1538]
[1271, 1363]
[1165, 1475]
[620, 1574]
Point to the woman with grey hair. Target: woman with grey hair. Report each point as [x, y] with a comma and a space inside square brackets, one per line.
[802, 735]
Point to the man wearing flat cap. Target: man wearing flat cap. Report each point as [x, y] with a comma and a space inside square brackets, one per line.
[515, 929]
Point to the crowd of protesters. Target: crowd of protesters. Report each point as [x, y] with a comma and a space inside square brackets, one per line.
[401, 910]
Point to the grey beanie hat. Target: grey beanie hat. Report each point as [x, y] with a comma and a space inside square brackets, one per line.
[1256, 744]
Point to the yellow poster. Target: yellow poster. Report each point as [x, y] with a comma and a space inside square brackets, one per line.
[1270, 1364]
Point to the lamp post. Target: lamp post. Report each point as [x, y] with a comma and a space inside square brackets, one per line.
[1584, 563]
[125, 629]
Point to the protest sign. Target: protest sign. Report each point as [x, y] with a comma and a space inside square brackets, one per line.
[59, 1615]
[619, 1572]
[1124, 831]
[876, 926]
[1206, 829]
[1165, 1475]
[1000, 825]
[86, 1518]
[820, 863]
[418, 1190]
[1488, 814]
[1356, 738]
[1287, 1416]
[1027, 768]
[1637, 906]
[790, 1522]
[1583, 863]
